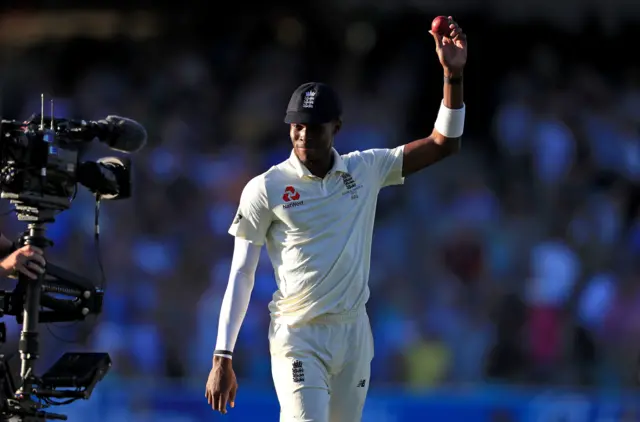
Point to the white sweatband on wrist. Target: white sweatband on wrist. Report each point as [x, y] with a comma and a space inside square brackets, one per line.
[223, 355]
[450, 122]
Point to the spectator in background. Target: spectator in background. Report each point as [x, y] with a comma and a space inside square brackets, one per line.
[555, 269]
[622, 326]
[428, 360]
[507, 359]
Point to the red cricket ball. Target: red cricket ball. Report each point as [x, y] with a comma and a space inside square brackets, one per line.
[440, 25]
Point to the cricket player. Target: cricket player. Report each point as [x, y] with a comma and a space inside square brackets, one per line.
[315, 214]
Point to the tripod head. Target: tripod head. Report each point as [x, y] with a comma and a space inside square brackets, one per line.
[74, 375]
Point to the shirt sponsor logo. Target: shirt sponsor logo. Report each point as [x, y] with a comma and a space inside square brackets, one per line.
[291, 197]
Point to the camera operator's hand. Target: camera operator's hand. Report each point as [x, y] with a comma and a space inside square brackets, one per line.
[28, 260]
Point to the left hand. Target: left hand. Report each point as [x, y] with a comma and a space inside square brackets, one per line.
[451, 49]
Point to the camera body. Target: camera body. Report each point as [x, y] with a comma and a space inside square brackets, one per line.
[40, 163]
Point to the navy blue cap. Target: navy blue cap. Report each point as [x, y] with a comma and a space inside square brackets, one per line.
[313, 103]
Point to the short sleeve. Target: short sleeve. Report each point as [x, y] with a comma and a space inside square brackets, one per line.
[253, 218]
[386, 164]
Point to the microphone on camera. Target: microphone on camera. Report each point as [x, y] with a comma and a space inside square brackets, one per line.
[120, 133]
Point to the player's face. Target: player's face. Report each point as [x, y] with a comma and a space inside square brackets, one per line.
[313, 141]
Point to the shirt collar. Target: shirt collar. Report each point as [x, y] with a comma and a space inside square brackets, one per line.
[302, 171]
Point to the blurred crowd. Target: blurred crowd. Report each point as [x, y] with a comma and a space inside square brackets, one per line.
[515, 261]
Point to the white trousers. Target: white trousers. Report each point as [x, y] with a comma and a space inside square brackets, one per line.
[321, 369]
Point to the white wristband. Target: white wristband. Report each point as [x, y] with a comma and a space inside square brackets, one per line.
[223, 355]
[450, 122]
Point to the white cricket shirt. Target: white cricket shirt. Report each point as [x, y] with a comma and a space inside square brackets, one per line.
[318, 232]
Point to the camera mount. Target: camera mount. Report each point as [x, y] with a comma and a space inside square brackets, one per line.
[74, 375]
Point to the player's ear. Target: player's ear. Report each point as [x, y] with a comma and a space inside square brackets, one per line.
[337, 126]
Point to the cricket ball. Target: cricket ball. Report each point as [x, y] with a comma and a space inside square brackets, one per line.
[440, 25]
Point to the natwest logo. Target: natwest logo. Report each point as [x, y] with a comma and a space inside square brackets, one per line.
[290, 194]
[291, 197]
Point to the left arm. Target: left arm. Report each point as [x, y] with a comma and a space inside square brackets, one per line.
[445, 138]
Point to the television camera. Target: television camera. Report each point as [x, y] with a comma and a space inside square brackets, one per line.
[40, 169]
